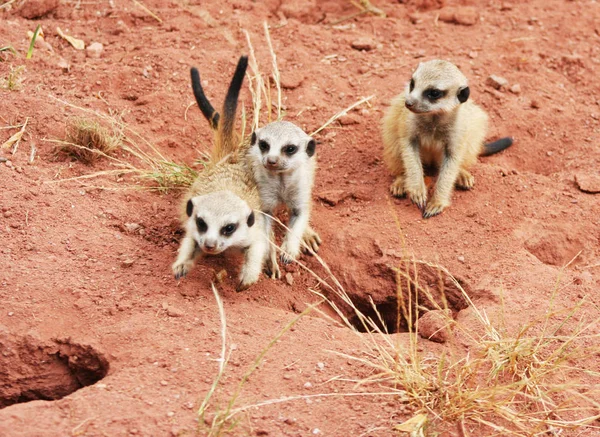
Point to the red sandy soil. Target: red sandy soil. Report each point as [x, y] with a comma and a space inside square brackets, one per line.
[70, 268]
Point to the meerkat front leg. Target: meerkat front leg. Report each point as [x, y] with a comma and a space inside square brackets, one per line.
[465, 180]
[271, 266]
[185, 258]
[311, 241]
[449, 172]
[291, 243]
[414, 181]
[254, 256]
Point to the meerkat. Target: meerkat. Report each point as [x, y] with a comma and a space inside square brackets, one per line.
[282, 158]
[435, 123]
[218, 209]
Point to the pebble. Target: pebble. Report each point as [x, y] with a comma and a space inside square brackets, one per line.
[433, 324]
[535, 104]
[174, 312]
[127, 263]
[94, 50]
[289, 279]
[3, 159]
[461, 259]
[163, 383]
[7, 214]
[320, 366]
[515, 89]
[8, 163]
[292, 80]
[464, 15]
[307, 385]
[496, 82]
[348, 120]
[588, 183]
[365, 44]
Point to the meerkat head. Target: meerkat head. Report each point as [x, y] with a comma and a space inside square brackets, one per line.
[218, 221]
[436, 87]
[282, 146]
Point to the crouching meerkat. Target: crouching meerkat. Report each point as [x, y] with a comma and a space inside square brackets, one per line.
[218, 210]
[282, 158]
[435, 123]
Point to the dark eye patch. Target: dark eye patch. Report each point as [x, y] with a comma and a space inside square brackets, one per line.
[229, 229]
[290, 149]
[263, 146]
[412, 85]
[433, 94]
[201, 225]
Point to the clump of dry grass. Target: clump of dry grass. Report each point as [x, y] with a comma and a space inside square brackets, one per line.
[87, 140]
[14, 78]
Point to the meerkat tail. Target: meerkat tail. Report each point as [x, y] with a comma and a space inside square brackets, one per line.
[496, 146]
[207, 109]
[225, 143]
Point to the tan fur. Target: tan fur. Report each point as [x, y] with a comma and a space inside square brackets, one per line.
[446, 134]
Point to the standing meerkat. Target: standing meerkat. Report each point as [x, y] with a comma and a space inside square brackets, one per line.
[434, 123]
[282, 159]
[218, 212]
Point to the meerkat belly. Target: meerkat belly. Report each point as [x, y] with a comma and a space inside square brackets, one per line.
[431, 150]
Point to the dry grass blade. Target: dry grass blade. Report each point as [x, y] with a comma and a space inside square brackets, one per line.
[78, 44]
[148, 11]
[342, 113]
[276, 76]
[13, 79]
[15, 139]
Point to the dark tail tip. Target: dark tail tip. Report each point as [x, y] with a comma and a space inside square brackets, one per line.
[497, 146]
[233, 93]
[207, 109]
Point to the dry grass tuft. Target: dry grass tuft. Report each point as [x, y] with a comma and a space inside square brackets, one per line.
[87, 140]
[14, 78]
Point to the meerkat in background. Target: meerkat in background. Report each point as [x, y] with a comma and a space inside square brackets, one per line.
[282, 159]
[219, 207]
[434, 123]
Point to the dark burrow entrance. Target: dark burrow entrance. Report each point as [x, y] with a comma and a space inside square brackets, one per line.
[414, 289]
[33, 370]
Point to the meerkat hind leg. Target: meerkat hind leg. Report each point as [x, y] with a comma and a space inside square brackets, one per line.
[465, 180]
[311, 241]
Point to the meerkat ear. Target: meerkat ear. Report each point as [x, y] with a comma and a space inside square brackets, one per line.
[189, 208]
[310, 147]
[250, 221]
[463, 94]
[253, 138]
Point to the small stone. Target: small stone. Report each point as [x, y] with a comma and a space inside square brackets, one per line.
[170, 414]
[365, 44]
[63, 64]
[163, 383]
[292, 80]
[333, 197]
[33, 9]
[174, 312]
[10, 314]
[287, 376]
[94, 50]
[221, 276]
[461, 259]
[289, 279]
[19, 169]
[588, 183]
[127, 263]
[8, 163]
[434, 325]
[316, 431]
[464, 15]
[132, 227]
[473, 55]
[535, 104]
[496, 82]
[515, 89]
[7, 214]
[307, 385]
[3, 159]
[320, 366]
[348, 120]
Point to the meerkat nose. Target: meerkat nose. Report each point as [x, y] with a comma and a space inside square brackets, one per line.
[210, 245]
[409, 103]
[272, 160]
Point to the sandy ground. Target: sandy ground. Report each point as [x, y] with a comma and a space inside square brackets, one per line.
[87, 262]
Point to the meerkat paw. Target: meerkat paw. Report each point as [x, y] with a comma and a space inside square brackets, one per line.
[246, 280]
[181, 268]
[418, 196]
[465, 180]
[312, 242]
[397, 187]
[271, 267]
[434, 208]
[289, 252]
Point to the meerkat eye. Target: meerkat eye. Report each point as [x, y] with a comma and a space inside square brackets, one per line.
[433, 94]
[229, 229]
[412, 85]
[263, 146]
[201, 225]
[290, 150]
